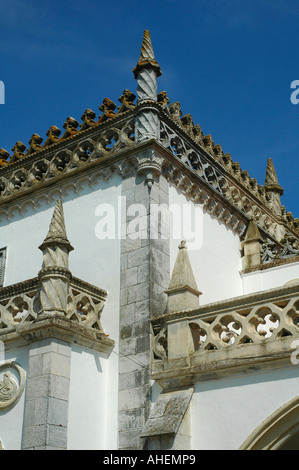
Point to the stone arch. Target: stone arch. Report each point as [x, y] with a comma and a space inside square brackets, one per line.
[280, 431]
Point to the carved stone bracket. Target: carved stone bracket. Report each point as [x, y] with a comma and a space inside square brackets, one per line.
[149, 165]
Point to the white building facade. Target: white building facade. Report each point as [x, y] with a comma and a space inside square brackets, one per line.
[149, 291]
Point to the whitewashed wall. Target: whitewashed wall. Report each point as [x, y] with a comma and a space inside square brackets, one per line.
[270, 278]
[93, 401]
[216, 263]
[11, 421]
[226, 412]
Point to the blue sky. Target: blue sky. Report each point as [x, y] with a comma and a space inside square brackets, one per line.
[230, 64]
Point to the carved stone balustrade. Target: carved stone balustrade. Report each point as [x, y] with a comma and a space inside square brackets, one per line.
[236, 336]
[22, 321]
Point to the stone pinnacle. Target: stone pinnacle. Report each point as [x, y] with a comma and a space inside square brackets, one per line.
[147, 57]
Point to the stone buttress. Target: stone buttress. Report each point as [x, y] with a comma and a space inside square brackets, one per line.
[144, 260]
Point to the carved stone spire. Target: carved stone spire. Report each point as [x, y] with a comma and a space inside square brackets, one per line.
[57, 232]
[146, 72]
[273, 188]
[147, 57]
[55, 276]
[271, 181]
[182, 292]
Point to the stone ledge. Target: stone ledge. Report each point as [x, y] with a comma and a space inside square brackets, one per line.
[57, 327]
[214, 365]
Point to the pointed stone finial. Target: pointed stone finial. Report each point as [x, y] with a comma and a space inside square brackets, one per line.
[252, 233]
[273, 188]
[147, 57]
[147, 125]
[252, 246]
[147, 52]
[57, 232]
[182, 292]
[271, 181]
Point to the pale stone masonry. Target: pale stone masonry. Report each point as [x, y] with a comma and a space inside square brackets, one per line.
[47, 395]
[144, 278]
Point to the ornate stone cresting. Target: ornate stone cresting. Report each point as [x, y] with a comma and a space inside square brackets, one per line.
[198, 151]
[120, 130]
[72, 129]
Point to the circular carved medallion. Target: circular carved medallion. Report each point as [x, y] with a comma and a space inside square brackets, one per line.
[11, 389]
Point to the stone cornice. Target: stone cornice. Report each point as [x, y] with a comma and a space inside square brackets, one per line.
[57, 327]
[123, 162]
[31, 285]
[215, 365]
[275, 264]
[222, 193]
[249, 198]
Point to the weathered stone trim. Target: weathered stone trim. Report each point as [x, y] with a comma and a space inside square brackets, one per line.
[215, 365]
[20, 287]
[273, 295]
[274, 264]
[125, 161]
[248, 199]
[60, 328]
[272, 432]
[229, 337]
[167, 413]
